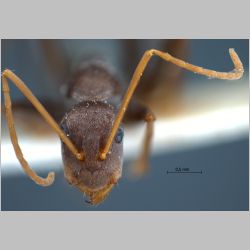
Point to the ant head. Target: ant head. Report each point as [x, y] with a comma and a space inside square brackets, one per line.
[88, 125]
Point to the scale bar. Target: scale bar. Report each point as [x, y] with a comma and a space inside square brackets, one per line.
[184, 172]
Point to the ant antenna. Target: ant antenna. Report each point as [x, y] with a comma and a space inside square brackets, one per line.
[233, 75]
[10, 122]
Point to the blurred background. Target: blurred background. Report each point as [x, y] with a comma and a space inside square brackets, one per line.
[200, 151]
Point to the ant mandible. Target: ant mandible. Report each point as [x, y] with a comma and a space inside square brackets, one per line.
[90, 132]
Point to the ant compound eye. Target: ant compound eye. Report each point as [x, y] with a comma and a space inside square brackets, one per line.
[119, 135]
[64, 128]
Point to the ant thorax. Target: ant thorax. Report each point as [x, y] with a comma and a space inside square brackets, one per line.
[93, 81]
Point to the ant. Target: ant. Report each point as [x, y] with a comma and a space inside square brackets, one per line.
[91, 133]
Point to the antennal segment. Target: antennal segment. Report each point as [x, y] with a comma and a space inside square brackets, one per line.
[233, 75]
[10, 122]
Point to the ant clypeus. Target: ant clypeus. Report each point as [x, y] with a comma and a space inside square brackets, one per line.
[90, 132]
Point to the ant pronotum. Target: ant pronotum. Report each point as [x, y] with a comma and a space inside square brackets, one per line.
[91, 135]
